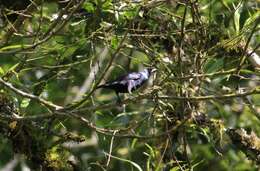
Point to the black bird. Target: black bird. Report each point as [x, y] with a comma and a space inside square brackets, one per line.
[129, 82]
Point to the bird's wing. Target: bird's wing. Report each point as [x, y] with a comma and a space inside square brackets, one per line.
[133, 76]
[129, 76]
[123, 80]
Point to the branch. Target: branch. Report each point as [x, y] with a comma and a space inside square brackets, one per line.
[212, 97]
[122, 133]
[206, 75]
[30, 96]
[149, 95]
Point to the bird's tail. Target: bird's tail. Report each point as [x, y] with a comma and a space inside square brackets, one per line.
[102, 86]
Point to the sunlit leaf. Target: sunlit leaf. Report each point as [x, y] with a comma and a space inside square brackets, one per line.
[25, 102]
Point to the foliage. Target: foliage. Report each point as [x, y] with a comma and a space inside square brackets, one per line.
[53, 55]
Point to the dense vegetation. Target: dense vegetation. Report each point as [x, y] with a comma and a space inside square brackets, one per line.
[200, 111]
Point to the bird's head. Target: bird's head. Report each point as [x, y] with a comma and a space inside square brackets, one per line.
[149, 71]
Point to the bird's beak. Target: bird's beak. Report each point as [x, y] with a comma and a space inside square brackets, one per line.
[153, 70]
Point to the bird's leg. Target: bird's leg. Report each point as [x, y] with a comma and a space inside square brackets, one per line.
[118, 98]
[119, 101]
[124, 108]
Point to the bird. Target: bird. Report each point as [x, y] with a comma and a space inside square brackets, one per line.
[129, 82]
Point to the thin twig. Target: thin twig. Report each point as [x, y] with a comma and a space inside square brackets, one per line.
[110, 148]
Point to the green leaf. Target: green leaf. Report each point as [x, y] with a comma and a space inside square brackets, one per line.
[114, 42]
[25, 102]
[2, 71]
[89, 7]
[107, 5]
[176, 168]
[214, 65]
